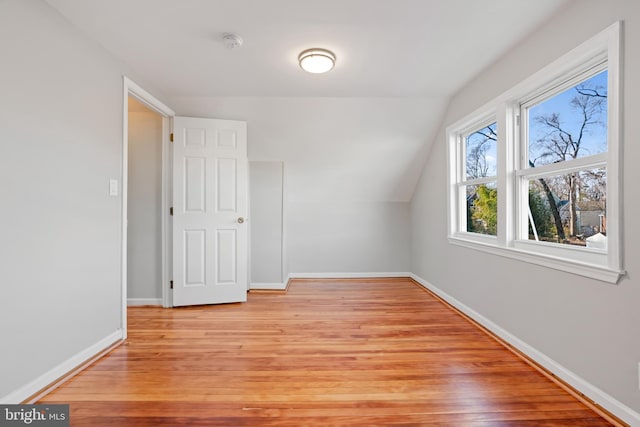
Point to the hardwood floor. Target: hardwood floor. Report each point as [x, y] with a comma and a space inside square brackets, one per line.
[327, 352]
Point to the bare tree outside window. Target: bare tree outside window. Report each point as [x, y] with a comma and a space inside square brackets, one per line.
[568, 126]
[481, 152]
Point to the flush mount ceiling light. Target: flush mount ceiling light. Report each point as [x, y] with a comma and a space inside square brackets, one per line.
[317, 60]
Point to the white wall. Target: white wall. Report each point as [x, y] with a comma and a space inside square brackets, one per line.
[335, 218]
[144, 252]
[265, 221]
[61, 137]
[589, 327]
[338, 237]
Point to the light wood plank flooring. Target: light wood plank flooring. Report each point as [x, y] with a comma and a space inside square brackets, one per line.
[327, 352]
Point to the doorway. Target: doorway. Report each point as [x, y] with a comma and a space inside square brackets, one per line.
[210, 254]
[144, 206]
[144, 101]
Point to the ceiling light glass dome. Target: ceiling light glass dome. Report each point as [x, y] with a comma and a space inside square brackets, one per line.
[317, 60]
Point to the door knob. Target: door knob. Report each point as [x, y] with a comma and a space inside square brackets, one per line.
[241, 220]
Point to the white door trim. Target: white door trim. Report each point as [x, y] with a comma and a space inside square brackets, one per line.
[131, 88]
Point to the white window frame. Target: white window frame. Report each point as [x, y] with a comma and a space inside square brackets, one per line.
[461, 180]
[584, 60]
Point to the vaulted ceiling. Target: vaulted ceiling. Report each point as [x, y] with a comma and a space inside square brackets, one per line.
[393, 56]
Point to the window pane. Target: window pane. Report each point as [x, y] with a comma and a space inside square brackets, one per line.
[569, 209]
[481, 152]
[571, 124]
[482, 208]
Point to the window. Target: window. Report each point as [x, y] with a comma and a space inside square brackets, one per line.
[479, 184]
[534, 174]
[566, 131]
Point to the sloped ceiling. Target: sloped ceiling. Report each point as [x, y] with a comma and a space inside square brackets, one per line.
[355, 133]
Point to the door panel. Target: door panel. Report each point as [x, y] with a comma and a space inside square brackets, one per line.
[227, 254]
[194, 257]
[227, 185]
[194, 184]
[210, 195]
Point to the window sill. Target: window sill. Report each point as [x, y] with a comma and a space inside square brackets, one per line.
[581, 268]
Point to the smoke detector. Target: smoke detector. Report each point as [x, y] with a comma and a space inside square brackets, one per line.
[232, 41]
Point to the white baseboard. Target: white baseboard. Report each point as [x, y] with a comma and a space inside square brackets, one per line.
[592, 392]
[61, 370]
[347, 275]
[282, 286]
[144, 301]
[268, 286]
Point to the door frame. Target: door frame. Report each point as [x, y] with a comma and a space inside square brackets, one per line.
[130, 88]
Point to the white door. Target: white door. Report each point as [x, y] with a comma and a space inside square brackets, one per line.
[210, 235]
